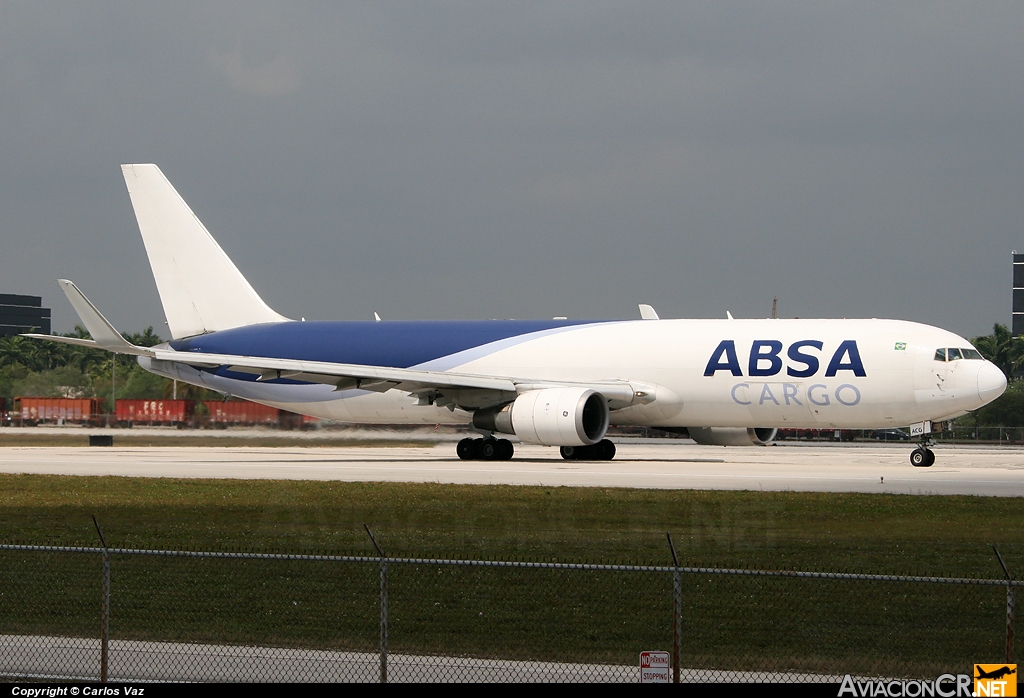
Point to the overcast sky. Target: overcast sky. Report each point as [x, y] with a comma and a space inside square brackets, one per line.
[488, 160]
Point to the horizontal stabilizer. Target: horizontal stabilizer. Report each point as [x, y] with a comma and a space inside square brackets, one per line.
[104, 336]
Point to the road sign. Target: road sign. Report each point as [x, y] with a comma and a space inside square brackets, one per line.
[654, 667]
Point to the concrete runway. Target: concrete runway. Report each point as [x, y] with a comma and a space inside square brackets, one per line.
[977, 470]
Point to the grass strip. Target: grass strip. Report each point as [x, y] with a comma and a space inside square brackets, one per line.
[732, 622]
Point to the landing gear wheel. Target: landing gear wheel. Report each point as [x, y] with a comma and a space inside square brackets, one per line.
[488, 449]
[602, 450]
[605, 450]
[468, 449]
[505, 450]
[922, 458]
[485, 449]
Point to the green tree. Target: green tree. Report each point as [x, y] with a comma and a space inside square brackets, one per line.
[147, 338]
[140, 384]
[1005, 411]
[64, 381]
[1002, 349]
[1006, 352]
[50, 369]
[9, 376]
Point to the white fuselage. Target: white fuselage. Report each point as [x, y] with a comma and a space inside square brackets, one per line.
[700, 373]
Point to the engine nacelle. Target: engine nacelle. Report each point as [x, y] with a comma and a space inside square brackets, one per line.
[550, 417]
[732, 436]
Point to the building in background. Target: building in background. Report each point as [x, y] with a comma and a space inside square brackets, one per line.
[20, 314]
[1018, 294]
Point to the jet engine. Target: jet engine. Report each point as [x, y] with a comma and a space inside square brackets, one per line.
[732, 436]
[550, 417]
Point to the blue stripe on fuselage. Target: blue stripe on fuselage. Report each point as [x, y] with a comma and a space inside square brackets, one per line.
[397, 344]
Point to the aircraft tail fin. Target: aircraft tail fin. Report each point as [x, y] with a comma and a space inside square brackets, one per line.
[200, 287]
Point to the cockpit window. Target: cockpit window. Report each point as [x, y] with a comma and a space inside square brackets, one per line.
[954, 354]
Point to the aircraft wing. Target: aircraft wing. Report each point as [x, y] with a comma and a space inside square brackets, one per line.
[381, 378]
[342, 376]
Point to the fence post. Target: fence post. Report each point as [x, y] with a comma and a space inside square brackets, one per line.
[1009, 623]
[104, 607]
[383, 608]
[677, 609]
[1009, 607]
[105, 619]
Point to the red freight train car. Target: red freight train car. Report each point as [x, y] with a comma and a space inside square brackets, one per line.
[34, 410]
[166, 412]
[227, 412]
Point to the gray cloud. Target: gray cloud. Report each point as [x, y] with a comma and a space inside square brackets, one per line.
[527, 159]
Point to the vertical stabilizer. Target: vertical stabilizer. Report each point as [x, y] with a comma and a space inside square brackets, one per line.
[200, 287]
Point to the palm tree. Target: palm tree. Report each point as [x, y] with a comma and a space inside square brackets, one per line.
[1003, 349]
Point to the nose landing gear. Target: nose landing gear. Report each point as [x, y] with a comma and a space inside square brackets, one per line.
[922, 456]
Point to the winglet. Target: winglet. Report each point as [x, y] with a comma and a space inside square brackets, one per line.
[103, 333]
[647, 312]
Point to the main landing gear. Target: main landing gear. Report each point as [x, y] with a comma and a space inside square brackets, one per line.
[922, 456]
[502, 449]
[485, 449]
[602, 450]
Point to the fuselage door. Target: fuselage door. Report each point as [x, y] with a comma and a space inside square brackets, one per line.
[944, 366]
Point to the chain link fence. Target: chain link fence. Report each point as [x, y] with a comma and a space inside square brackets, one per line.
[161, 615]
[950, 433]
[1001, 436]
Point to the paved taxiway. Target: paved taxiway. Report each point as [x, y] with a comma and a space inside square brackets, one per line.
[77, 659]
[987, 471]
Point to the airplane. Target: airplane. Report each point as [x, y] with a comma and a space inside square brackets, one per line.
[557, 382]
[995, 673]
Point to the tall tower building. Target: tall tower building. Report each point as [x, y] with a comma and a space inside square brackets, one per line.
[1017, 327]
[1018, 294]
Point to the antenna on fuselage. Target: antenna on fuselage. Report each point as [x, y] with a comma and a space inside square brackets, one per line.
[648, 313]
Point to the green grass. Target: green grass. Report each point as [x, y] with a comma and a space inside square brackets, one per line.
[845, 532]
[730, 622]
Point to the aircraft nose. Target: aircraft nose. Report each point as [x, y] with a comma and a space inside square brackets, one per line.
[991, 382]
